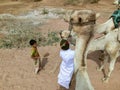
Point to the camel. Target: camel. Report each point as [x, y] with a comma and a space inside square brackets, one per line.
[111, 47]
[83, 35]
[103, 43]
[83, 24]
[106, 43]
[116, 2]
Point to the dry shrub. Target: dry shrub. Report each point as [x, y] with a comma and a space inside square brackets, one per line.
[21, 39]
[18, 32]
[76, 2]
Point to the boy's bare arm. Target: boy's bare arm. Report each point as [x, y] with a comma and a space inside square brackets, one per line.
[35, 57]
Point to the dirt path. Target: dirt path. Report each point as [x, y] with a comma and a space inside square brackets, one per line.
[17, 73]
[10, 3]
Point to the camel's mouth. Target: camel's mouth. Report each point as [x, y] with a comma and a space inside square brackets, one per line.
[82, 22]
[68, 35]
[65, 34]
[76, 26]
[82, 17]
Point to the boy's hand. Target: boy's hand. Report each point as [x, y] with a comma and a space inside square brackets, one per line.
[35, 58]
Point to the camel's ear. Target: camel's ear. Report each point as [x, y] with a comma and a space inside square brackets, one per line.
[97, 15]
[64, 34]
[68, 15]
[66, 18]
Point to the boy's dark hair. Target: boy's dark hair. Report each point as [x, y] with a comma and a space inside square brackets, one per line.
[64, 44]
[32, 42]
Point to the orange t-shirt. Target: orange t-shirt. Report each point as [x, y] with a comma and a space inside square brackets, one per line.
[34, 52]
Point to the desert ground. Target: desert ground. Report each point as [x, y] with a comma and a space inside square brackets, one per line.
[16, 66]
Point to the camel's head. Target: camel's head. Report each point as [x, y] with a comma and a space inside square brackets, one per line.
[64, 34]
[68, 35]
[81, 18]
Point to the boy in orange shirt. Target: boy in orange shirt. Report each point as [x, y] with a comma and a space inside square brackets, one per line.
[35, 56]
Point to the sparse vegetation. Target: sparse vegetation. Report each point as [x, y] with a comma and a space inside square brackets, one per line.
[19, 39]
[76, 2]
[52, 38]
[18, 32]
[45, 11]
[94, 1]
[71, 2]
[37, 0]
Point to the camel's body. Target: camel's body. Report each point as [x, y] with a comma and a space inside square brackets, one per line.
[107, 43]
[116, 2]
[85, 43]
[83, 36]
[105, 27]
[110, 45]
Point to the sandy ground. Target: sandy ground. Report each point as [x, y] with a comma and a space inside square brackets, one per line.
[16, 66]
[17, 71]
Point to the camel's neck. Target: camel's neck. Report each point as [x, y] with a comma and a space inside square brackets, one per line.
[82, 78]
[83, 38]
[105, 27]
[81, 45]
[83, 81]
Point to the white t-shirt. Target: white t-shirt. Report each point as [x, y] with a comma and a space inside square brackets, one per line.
[66, 67]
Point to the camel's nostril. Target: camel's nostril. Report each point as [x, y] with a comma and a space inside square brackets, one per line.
[69, 36]
[71, 19]
[80, 19]
[60, 33]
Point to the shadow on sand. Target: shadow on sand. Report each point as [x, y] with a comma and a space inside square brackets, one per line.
[44, 60]
[95, 57]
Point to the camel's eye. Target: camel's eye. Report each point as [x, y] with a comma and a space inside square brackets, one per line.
[80, 19]
[71, 19]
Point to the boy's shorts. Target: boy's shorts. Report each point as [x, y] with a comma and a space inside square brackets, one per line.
[37, 63]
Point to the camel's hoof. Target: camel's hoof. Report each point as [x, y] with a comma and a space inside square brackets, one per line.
[98, 69]
[105, 80]
[83, 68]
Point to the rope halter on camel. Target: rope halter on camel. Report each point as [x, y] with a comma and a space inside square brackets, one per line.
[80, 23]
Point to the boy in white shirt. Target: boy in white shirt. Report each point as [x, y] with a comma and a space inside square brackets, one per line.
[67, 65]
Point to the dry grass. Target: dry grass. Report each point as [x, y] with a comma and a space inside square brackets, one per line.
[21, 39]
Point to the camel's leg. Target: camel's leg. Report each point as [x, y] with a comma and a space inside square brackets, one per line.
[79, 61]
[82, 78]
[102, 64]
[111, 67]
[104, 60]
[62, 88]
[82, 81]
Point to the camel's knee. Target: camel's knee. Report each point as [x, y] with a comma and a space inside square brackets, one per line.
[111, 68]
[112, 64]
[113, 58]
